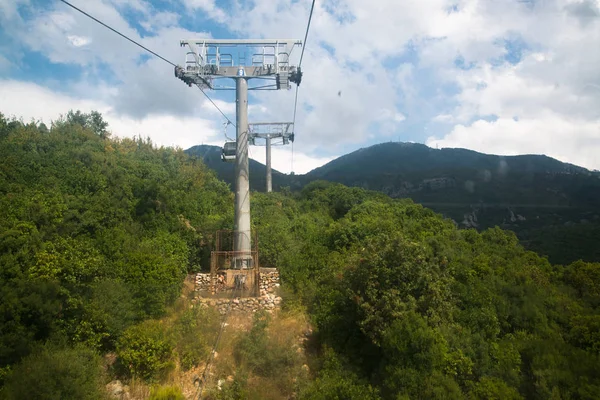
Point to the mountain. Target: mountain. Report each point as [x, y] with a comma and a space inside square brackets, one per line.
[554, 207]
[454, 175]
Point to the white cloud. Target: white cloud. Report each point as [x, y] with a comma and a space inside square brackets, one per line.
[283, 160]
[30, 101]
[33, 102]
[227, 107]
[207, 6]
[566, 139]
[444, 118]
[394, 63]
[166, 130]
[160, 20]
[79, 41]
[389, 115]
[138, 5]
[9, 9]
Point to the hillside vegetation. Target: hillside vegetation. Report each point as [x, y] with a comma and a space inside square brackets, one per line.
[407, 306]
[98, 233]
[553, 207]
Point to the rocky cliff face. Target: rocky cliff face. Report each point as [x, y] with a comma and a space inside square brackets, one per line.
[470, 219]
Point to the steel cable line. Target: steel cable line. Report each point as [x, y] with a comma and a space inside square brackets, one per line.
[312, 7]
[117, 32]
[216, 106]
[306, 34]
[206, 372]
[145, 48]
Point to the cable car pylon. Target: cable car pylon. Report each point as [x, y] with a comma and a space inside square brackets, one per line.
[243, 60]
[273, 134]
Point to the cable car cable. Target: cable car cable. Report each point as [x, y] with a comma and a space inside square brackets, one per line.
[312, 7]
[306, 34]
[145, 48]
[118, 33]
[216, 106]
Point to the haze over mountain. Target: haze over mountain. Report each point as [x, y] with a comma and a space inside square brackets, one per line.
[554, 207]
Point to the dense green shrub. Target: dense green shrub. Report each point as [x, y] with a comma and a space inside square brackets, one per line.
[337, 380]
[145, 350]
[260, 355]
[51, 373]
[108, 312]
[420, 309]
[96, 233]
[166, 393]
[493, 389]
[189, 333]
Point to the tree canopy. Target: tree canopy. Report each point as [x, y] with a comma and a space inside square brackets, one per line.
[408, 306]
[97, 234]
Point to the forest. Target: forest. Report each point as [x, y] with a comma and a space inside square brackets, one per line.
[98, 233]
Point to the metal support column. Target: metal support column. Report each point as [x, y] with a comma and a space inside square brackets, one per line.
[242, 242]
[269, 177]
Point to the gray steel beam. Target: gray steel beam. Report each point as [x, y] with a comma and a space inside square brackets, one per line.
[269, 177]
[272, 123]
[242, 239]
[248, 42]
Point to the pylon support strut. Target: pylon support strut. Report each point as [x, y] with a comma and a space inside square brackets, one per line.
[241, 241]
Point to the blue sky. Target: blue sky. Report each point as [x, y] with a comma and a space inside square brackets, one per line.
[497, 76]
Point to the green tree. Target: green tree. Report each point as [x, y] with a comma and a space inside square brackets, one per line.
[56, 374]
[145, 351]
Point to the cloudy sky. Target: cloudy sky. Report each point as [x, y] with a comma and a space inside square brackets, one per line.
[497, 76]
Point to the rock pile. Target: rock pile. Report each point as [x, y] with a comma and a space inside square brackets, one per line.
[268, 281]
[202, 282]
[116, 390]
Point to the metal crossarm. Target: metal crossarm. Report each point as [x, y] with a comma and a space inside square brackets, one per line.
[210, 59]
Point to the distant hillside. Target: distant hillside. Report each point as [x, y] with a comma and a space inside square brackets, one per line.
[457, 175]
[554, 207]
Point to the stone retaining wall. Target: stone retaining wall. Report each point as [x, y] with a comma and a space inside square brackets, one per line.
[269, 280]
[269, 302]
[268, 299]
